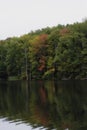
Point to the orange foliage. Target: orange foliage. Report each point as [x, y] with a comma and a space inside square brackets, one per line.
[42, 63]
[39, 42]
[43, 38]
[64, 31]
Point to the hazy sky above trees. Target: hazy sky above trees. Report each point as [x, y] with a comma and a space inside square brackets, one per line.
[18, 17]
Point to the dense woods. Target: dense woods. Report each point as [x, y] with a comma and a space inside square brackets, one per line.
[58, 52]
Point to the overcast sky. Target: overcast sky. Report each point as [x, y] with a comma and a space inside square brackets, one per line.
[18, 17]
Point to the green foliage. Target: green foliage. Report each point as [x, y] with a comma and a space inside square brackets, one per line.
[14, 57]
[62, 49]
[68, 55]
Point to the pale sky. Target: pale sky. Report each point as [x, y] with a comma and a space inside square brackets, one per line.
[18, 17]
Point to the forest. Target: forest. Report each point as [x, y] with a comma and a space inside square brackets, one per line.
[58, 52]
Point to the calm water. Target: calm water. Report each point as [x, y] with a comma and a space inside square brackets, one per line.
[45, 105]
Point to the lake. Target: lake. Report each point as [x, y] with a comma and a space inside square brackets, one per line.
[47, 105]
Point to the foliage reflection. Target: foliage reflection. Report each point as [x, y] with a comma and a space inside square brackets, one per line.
[49, 104]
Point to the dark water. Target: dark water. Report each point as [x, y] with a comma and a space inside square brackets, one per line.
[44, 105]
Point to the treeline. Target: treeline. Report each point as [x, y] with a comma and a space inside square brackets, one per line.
[59, 52]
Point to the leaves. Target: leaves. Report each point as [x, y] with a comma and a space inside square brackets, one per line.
[59, 51]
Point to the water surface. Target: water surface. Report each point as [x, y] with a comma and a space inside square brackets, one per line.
[60, 105]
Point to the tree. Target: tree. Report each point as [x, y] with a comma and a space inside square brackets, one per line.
[3, 67]
[39, 54]
[14, 57]
[68, 55]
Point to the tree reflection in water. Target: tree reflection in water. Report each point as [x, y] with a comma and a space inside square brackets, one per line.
[54, 105]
